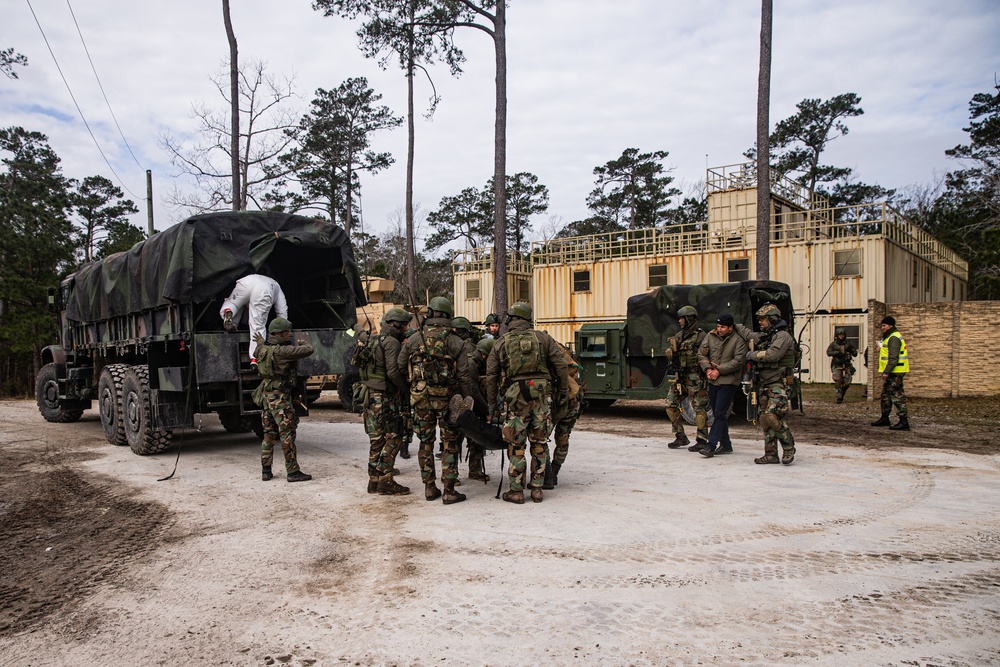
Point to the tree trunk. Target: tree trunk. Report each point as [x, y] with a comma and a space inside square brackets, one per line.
[764, 147]
[500, 164]
[234, 94]
[411, 269]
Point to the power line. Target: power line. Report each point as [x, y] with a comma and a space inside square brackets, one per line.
[101, 86]
[73, 97]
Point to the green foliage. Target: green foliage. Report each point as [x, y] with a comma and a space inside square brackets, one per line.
[689, 215]
[122, 235]
[8, 59]
[36, 248]
[101, 207]
[632, 191]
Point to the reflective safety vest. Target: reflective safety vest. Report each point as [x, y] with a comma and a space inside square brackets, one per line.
[883, 355]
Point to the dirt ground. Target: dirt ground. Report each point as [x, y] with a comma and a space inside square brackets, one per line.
[872, 548]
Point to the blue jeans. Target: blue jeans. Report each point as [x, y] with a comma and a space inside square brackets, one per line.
[720, 398]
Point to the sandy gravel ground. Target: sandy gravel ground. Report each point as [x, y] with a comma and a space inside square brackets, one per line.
[641, 556]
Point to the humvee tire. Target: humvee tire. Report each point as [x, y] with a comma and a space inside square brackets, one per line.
[47, 397]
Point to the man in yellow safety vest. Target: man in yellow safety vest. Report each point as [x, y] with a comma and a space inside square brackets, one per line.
[893, 364]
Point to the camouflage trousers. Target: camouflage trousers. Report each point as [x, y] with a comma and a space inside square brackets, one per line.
[774, 406]
[893, 395]
[527, 418]
[279, 421]
[429, 413]
[384, 426]
[563, 428]
[693, 384]
[842, 376]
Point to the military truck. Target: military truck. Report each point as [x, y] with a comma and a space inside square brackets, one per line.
[140, 332]
[627, 359]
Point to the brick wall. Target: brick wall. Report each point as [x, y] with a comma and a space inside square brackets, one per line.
[954, 347]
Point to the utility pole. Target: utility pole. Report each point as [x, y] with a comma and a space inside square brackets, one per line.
[763, 253]
[149, 202]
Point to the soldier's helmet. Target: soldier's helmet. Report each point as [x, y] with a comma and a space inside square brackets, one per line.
[279, 325]
[485, 346]
[461, 323]
[520, 309]
[688, 312]
[397, 315]
[442, 305]
[491, 319]
[840, 332]
[770, 311]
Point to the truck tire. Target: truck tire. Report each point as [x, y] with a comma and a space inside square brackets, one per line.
[137, 414]
[345, 389]
[47, 397]
[687, 412]
[234, 422]
[109, 401]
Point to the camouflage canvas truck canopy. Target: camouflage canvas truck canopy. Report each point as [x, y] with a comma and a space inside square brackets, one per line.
[140, 331]
[627, 359]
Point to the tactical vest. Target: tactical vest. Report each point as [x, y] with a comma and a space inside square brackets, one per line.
[787, 360]
[524, 354]
[883, 355]
[431, 362]
[265, 367]
[687, 349]
[364, 358]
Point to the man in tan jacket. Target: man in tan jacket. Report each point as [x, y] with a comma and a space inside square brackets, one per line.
[721, 355]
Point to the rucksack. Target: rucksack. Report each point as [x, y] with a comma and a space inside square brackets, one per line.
[431, 362]
[524, 354]
[364, 356]
[572, 369]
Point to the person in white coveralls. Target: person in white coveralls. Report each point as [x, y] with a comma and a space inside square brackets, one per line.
[259, 294]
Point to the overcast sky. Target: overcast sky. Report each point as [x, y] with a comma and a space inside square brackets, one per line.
[583, 85]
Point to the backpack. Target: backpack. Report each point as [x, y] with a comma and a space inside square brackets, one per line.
[431, 362]
[265, 368]
[364, 356]
[524, 354]
[573, 368]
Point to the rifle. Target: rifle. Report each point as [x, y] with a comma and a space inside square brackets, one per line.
[750, 381]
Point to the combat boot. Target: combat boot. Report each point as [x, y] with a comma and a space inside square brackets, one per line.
[431, 492]
[451, 496]
[698, 445]
[883, 420]
[708, 451]
[480, 475]
[680, 441]
[265, 473]
[404, 450]
[372, 484]
[550, 477]
[387, 486]
[227, 321]
[455, 406]
[516, 497]
[767, 459]
[298, 476]
[555, 473]
[788, 455]
[536, 494]
[902, 425]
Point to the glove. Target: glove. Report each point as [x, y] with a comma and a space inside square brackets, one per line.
[751, 356]
[563, 396]
[257, 338]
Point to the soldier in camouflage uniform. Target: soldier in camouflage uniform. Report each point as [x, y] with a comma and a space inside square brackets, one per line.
[380, 372]
[432, 358]
[841, 352]
[893, 365]
[689, 381]
[492, 325]
[774, 355]
[522, 365]
[277, 362]
[404, 448]
[477, 367]
[565, 416]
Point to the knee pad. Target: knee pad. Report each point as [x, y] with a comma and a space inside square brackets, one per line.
[701, 420]
[772, 422]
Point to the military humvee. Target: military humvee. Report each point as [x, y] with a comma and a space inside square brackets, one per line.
[627, 359]
[140, 331]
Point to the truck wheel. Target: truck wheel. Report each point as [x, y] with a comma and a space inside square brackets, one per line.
[137, 414]
[234, 422]
[109, 400]
[47, 396]
[687, 412]
[345, 389]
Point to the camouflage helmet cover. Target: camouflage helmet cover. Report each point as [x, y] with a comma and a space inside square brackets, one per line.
[687, 311]
[462, 323]
[520, 309]
[768, 310]
[840, 332]
[278, 325]
[397, 315]
[491, 319]
[442, 305]
[485, 346]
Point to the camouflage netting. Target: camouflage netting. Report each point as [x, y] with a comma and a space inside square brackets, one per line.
[652, 317]
[201, 258]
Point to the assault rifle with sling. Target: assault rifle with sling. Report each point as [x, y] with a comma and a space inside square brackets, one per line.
[750, 382]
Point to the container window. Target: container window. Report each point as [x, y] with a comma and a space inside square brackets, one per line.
[472, 289]
[658, 275]
[930, 278]
[847, 263]
[738, 270]
[581, 281]
[523, 290]
[853, 332]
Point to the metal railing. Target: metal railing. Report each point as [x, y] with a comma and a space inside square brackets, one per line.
[743, 176]
[474, 260]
